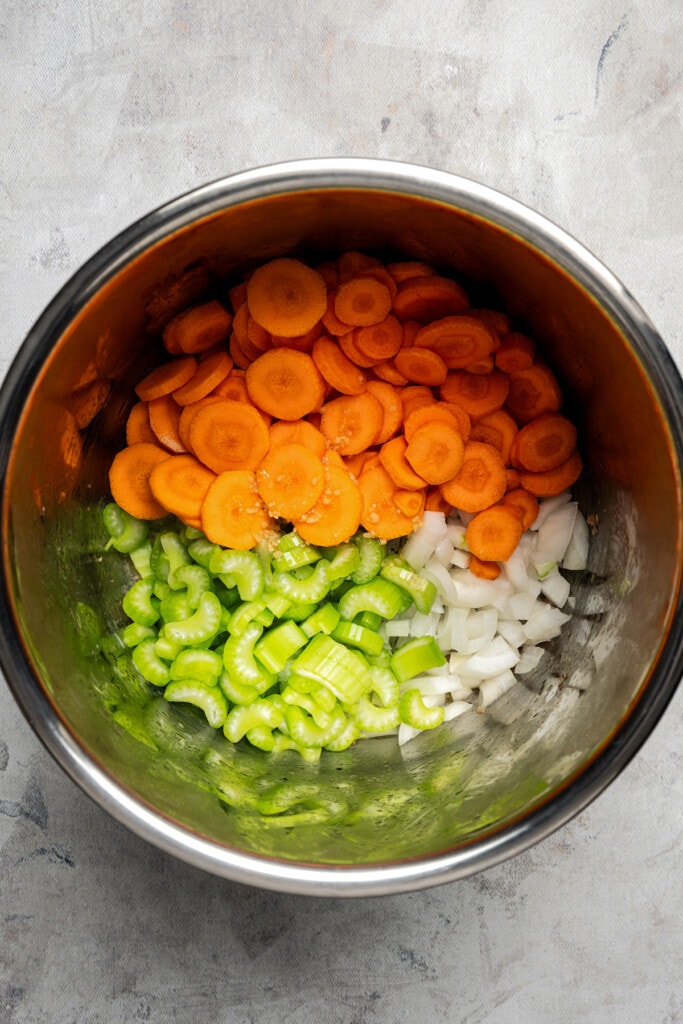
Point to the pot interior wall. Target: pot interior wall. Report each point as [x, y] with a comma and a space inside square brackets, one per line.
[375, 803]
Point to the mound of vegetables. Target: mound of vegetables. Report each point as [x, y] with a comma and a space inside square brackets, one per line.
[308, 433]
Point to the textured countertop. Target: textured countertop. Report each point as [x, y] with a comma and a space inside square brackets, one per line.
[112, 107]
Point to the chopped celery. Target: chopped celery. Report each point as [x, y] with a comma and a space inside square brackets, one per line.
[323, 620]
[421, 590]
[345, 672]
[208, 698]
[415, 657]
[380, 596]
[125, 533]
[414, 712]
[354, 635]
[277, 645]
[244, 567]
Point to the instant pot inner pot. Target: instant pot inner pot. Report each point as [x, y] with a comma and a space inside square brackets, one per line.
[373, 803]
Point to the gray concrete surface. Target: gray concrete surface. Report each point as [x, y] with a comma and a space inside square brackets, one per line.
[109, 108]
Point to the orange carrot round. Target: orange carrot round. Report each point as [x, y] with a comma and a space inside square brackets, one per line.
[290, 479]
[285, 383]
[164, 419]
[459, 340]
[411, 503]
[477, 394]
[553, 481]
[484, 570]
[381, 516]
[498, 429]
[392, 408]
[228, 435]
[379, 341]
[180, 484]
[351, 423]
[532, 392]
[302, 342]
[353, 263]
[331, 322]
[405, 269]
[362, 301]
[347, 343]
[421, 365]
[435, 502]
[233, 514]
[166, 378]
[138, 426]
[392, 456]
[343, 375]
[208, 375]
[186, 415]
[544, 443]
[198, 328]
[480, 482]
[129, 476]
[428, 298]
[298, 432]
[286, 297]
[493, 534]
[525, 501]
[436, 451]
[387, 371]
[515, 352]
[434, 412]
[415, 395]
[335, 517]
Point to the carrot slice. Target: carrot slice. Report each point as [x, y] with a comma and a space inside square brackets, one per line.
[516, 352]
[208, 375]
[138, 427]
[228, 435]
[414, 396]
[343, 375]
[180, 484]
[197, 329]
[544, 443]
[336, 515]
[166, 378]
[429, 298]
[381, 516]
[302, 432]
[353, 263]
[164, 419]
[387, 371]
[290, 479]
[512, 478]
[233, 514]
[495, 319]
[379, 341]
[498, 429]
[331, 321]
[285, 383]
[351, 423]
[392, 408]
[461, 416]
[186, 415]
[436, 451]
[129, 480]
[302, 342]
[347, 343]
[233, 386]
[478, 395]
[554, 481]
[362, 301]
[382, 275]
[434, 412]
[421, 365]
[405, 269]
[532, 392]
[237, 295]
[329, 273]
[493, 534]
[411, 329]
[485, 365]
[525, 501]
[392, 455]
[286, 297]
[355, 464]
[480, 482]
[459, 340]
[258, 336]
[435, 502]
[237, 352]
[411, 503]
[484, 570]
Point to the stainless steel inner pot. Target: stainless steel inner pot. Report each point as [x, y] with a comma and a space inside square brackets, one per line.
[455, 801]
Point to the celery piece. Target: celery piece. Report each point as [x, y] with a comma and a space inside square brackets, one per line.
[398, 571]
[414, 712]
[371, 620]
[159, 561]
[201, 626]
[371, 552]
[175, 607]
[415, 657]
[343, 671]
[201, 551]
[239, 661]
[276, 603]
[380, 596]
[134, 633]
[161, 589]
[372, 718]
[303, 729]
[141, 558]
[244, 567]
[139, 604]
[167, 649]
[299, 611]
[243, 718]
[295, 558]
[307, 591]
[323, 620]
[208, 698]
[191, 533]
[277, 645]
[345, 561]
[149, 665]
[353, 635]
[196, 663]
[321, 716]
[194, 578]
[125, 532]
[346, 738]
[174, 549]
[245, 613]
[289, 541]
[238, 693]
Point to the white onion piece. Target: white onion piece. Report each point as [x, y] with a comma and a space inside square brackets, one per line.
[520, 606]
[421, 544]
[481, 626]
[529, 659]
[545, 624]
[516, 570]
[455, 532]
[396, 628]
[491, 661]
[512, 631]
[457, 623]
[576, 555]
[424, 625]
[460, 559]
[441, 578]
[555, 531]
[429, 685]
[433, 700]
[544, 564]
[406, 732]
[455, 709]
[556, 588]
[494, 687]
[476, 593]
[443, 553]
[547, 506]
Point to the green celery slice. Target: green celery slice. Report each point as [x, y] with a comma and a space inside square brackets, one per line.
[415, 657]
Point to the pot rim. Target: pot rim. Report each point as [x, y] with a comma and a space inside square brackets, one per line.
[367, 175]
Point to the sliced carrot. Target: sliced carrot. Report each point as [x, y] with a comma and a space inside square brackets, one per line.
[461, 416]
[88, 401]
[285, 432]
[302, 342]
[198, 328]
[331, 321]
[352, 263]
[477, 394]
[554, 481]
[512, 478]
[515, 352]
[392, 408]
[485, 365]
[129, 476]
[237, 352]
[343, 375]
[544, 443]
[429, 298]
[186, 415]
[382, 275]
[459, 340]
[351, 423]
[411, 329]
[484, 570]
[532, 392]
[248, 348]
[228, 435]
[525, 501]
[237, 296]
[379, 341]
[286, 297]
[290, 479]
[381, 516]
[387, 371]
[493, 534]
[233, 514]
[138, 427]
[336, 515]
[436, 451]
[362, 301]
[285, 383]
[498, 429]
[435, 502]
[329, 273]
[415, 395]
[164, 419]
[166, 378]
[411, 503]
[355, 464]
[480, 482]
[258, 336]
[405, 269]
[347, 343]
[495, 319]
[180, 484]
[421, 365]
[208, 375]
[240, 323]
[233, 386]
[434, 412]
[392, 455]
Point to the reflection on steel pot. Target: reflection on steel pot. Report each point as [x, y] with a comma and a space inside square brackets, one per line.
[377, 820]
